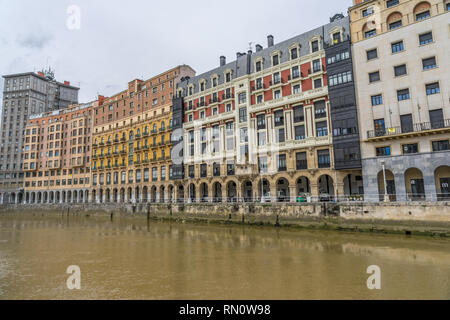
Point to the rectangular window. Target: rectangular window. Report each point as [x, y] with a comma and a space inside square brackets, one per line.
[242, 115]
[261, 138]
[432, 88]
[370, 33]
[320, 109]
[277, 94]
[203, 148]
[258, 66]
[323, 158]
[391, 3]
[372, 54]
[426, 38]
[318, 83]
[383, 151]
[406, 123]
[275, 60]
[377, 100]
[294, 53]
[230, 143]
[295, 72]
[403, 95]
[410, 148]
[260, 99]
[203, 170]
[379, 126]
[429, 63]
[436, 119]
[367, 12]
[317, 66]
[442, 145]
[315, 46]
[395, 25]
[321, 129]
[280, 136]
[299, 115]
[230, 168]
[261, 121]
[299, 132]
[296, 89]
[244, 135]
[301, 161]
[397, 46]
[279, 118]
[400, 70]
[262, 164]
[374, 76]
[339, 78]
[191, 171]
[242, 98]
[216, 169]
[282, 162]
[423, 15]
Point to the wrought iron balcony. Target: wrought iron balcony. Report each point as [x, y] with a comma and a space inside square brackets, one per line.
[417, 128]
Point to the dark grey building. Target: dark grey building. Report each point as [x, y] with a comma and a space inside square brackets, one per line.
[344, 114]
[25, 94]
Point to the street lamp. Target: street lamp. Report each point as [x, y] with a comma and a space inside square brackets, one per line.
[386, 197]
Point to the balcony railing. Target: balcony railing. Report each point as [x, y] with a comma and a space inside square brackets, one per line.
[415, 128]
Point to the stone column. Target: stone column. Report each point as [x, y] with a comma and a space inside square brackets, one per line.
[430, 187]
[400, 186]
[60, 196]
[314, 191]
[339, 191]
[273, 193]
[293, 193]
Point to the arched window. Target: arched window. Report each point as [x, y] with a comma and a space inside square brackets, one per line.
[394, 20]
[163, 125]
[422, 11]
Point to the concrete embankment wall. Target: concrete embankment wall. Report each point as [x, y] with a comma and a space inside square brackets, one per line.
[408, 218]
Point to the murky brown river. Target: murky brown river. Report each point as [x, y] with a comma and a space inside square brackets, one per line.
[133, 259]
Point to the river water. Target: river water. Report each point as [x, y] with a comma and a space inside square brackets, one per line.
[136, 259]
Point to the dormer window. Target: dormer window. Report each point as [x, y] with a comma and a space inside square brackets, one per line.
[315, 46]
[191, 91]
[202, 85]
[258, 66]
[214, 82]
[228, 77]
[336, 37]
[275, 60]
[294, 53]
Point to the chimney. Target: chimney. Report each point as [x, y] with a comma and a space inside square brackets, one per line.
[259, 48]
[223, 61]
[67, 83]
[249, 61]
[270, 41]
[41, 74]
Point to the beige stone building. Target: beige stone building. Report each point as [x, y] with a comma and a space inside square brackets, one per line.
[56, 156]
[401, 62]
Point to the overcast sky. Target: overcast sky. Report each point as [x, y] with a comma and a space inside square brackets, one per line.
[120, 40]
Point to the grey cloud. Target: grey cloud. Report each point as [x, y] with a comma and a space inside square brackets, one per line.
[34, 40]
